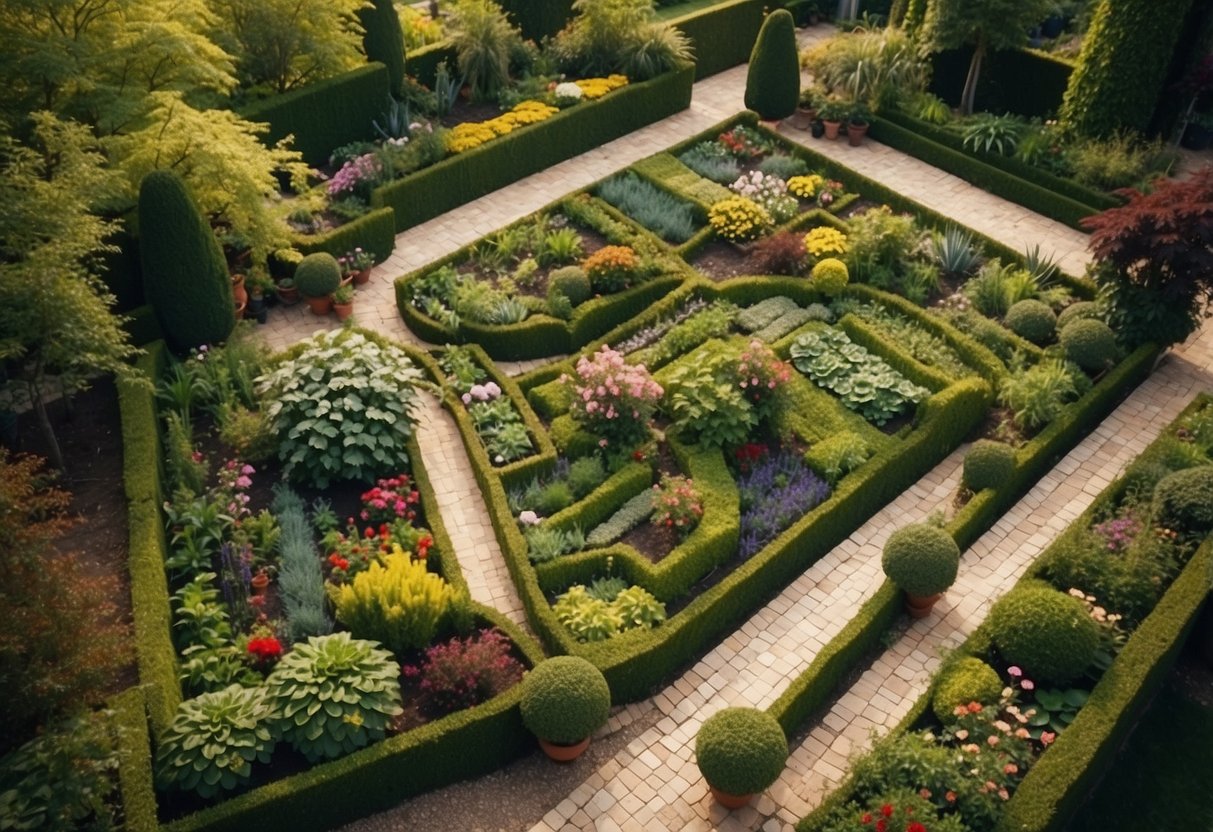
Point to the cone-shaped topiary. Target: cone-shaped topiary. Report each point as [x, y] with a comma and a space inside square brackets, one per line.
[1090, 344]
[741, 750]
[383, 40]
[968, 680]
[1183, 501]
[1046, 632]
[772, 87]
[565, 699]
[922, 560]
[1033, 320]
[318, 275]
[185, 278]
[830, 276]
[988, 464]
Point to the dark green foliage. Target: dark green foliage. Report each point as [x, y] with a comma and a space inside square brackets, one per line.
[772, 87]
[374, 231]
[1046, 632]
[968, 680]
[383, 41]
[988, 464]
[565, 699]
[722, 35]
[1090, 344]
[318, 275]
[1077, 312]
[665, 215]
[921, 559]
[1025, 82]
[185, 278]
[1126, 54]
[741, 750]
[570, 281]
[1032, 319]
[585, 475]
[1183, 501]
[1128, 583]
[538, 20]
[554, 497]
[326, 114]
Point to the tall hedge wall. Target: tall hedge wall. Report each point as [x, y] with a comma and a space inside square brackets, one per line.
[722, 35]
[326, 114]
[1022, 81]
[1124, 61]
[538, 19]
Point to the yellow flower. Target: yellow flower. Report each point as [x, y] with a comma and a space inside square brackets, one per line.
[825, 240]
[738, 219]
[466, 136]
[805, 187]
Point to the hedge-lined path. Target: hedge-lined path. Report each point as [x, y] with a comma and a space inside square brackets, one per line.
[463, 511]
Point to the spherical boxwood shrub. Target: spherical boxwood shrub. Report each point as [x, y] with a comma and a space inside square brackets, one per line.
[830, 276]
[1033, 320]
[968, 680]
[1082, 310]
[1090, 344]
[1183, 501]
[741, 750]
[214, 740]
[988, 464]
[333, 695]
[922, 560]
[318, 275]
[565, 699]
[1046, 632]
[342, 408]
[572, 282]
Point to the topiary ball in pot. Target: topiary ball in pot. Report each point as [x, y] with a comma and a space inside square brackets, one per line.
[565, 699]
[741, 751]
[921, 559]
[988, 464]
[830, 276]
[1183, 500]
[1033, 320]
[1046, 632]
[1090, 344]
[318, 275]
[967, 680]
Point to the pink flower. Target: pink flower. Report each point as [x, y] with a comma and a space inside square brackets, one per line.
[1014, 671]
[1027, 684]
[1047, 737]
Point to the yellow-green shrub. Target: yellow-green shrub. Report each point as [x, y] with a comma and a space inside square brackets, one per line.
[399, 603]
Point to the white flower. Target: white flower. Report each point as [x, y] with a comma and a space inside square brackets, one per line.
[568, 91]
[528, 518]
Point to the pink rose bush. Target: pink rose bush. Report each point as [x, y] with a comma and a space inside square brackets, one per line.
[612, 398]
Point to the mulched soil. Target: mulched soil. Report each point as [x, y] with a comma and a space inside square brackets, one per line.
[537, 285]
[719, 261]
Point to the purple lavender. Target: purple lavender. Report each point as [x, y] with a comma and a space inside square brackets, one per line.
[777, 492]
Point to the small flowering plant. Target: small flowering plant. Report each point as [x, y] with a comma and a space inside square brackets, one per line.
[748, 455]
[612, 268]
[739, 219]
[613, 398]
[391, 499]
[760, 375]
[357, 177]
[807, 186]
[566, 94]
[677, 505]
[463, 673]
[356, 260]
[830, 191]
[264, 648]
[481, 393]
[902, 811]
[744, 143]
[1119, 532]
[769, 191]
[824, 241]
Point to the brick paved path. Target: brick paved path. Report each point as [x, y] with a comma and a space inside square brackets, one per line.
[653, 783]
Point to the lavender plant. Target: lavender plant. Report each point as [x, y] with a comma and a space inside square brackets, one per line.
[776, 492]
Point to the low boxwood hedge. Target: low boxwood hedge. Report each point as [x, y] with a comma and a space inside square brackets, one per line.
[722, 35]
[374, 231]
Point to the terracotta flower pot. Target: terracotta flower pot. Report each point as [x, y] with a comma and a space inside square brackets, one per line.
[856, 130]
[832, 128]
[289, 295]
[730, 801]
[919, 606]
[804, 117]
[320, 306]
[343, 310]
[259, 584]
[564, 753]
[362, 276]
[239, 293]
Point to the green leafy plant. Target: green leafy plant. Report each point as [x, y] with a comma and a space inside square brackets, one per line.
[921, 559]
[483, 39]
[1038, 394]
[877, 244]
[954, 251]
[863, 382]
[836, 456]
[1032, 320]
[565, 699]
[398, 603]
[709, 407]
[741, 750]
[993, 134]
[545, 543]
[213, 741]
[333, 695]
[571, 282]
[342, 408]
[1055, 709]
[1183, 500]
[1046, 632]
[967, 680]
[630, 515]
[560, 247]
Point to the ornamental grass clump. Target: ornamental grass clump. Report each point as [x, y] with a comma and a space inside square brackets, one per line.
[1046, 632]
[333, 695]
[612, 398]
[213, 741]
[741, 751]
[739, 220]
[565, 699]
[398, 603]
[922, 560]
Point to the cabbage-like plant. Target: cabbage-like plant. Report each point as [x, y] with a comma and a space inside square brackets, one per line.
[334, 695]
[342, 408]
[214, 740]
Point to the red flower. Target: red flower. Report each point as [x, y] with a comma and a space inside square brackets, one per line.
[916, 827]
[264, 649]
[882, 825]
[866, 818]
[887, 810]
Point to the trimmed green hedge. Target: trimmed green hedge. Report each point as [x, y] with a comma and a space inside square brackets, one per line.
[722, 35]
[135, 789]
[461, 178]
[142, 326]
[980, 172]
[326, 114]
[1026, 82]
[375, 231]
[539, 20]
[422, 64]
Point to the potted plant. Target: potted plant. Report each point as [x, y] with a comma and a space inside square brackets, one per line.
[283, 262]
[740, 751]
[922, 560]
[343, 302]
[358, 264]
[806, 110]
[832, 113]
[288, 293]
[259, 284]
[857, 124]
[565, 699]
[317, 277]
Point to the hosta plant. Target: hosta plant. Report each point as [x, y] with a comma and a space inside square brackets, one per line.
[865, 383]
[342, 408]
[213, 741]
[334, 695]
[708, 406]
[591, 618]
